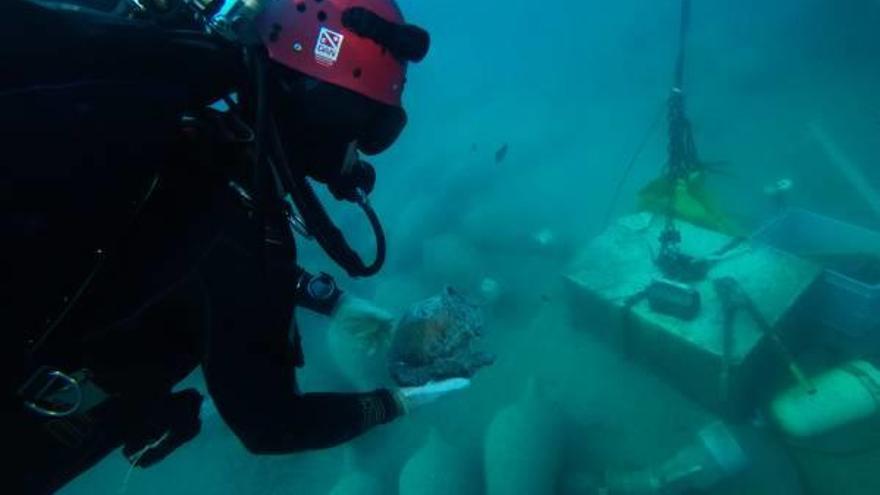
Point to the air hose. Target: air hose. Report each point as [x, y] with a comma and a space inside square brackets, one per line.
[316, 219]
[270, 152]
[317, 222]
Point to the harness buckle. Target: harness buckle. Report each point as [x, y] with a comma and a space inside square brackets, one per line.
[52, 393]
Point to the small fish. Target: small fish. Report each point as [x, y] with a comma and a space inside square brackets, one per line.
[501, 154]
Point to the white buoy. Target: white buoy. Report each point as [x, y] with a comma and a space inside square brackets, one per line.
[522, 448]
[437, 469]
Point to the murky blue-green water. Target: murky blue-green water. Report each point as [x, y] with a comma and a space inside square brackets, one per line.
[775, 90]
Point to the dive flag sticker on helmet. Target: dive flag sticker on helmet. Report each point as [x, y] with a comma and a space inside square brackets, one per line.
[328, 47]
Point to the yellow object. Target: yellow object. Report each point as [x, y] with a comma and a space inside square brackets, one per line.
[847, 395]
[689, 200]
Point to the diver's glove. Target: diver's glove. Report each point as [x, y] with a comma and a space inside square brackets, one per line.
[366, 322]
[409, 398]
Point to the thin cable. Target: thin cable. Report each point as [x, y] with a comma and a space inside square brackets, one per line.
[136, 458]
[612, 206]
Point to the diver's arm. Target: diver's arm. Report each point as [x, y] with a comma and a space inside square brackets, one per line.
[297, 423]
[249, 370]
[249, 362]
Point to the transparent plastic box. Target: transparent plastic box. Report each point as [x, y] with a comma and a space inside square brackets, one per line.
[847, 297]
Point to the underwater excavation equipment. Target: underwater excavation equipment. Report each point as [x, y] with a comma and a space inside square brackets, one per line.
[708, 308]
[522, 448]
[437, 468]
[721, 366]
[720, 316]
[679, 193]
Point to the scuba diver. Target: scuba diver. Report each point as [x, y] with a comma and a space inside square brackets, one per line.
[158, 158]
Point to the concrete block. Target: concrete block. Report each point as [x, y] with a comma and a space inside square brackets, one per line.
[619, 263]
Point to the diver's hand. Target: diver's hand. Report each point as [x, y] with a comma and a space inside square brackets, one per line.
[411, 398]
[368, 323]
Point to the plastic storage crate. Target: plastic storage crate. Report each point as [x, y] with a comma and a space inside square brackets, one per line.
[847, 298]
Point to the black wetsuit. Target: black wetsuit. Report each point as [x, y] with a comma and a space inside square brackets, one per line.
[97, 166]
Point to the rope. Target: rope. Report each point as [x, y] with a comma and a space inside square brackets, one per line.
[136, 457]
[681, 148]
[630, 166]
